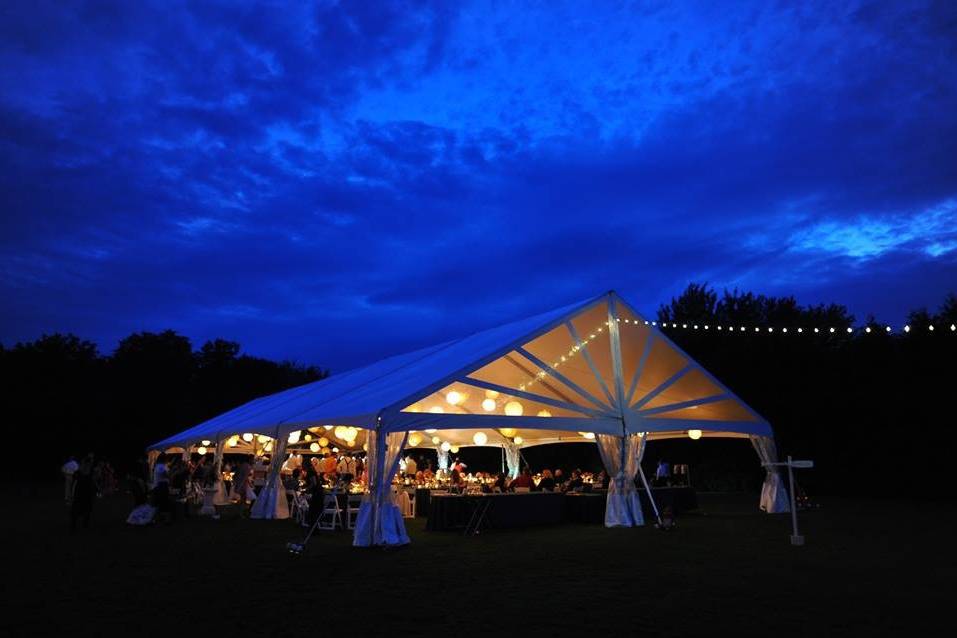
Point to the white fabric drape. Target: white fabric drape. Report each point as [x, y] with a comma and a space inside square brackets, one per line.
[513, 459]
[272, 502]
[443, 458]
[620, 456]
[774, 497]
[380, 521]
[219, 498]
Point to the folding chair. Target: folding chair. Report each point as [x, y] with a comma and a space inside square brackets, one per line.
[352, 510]
[331, 516]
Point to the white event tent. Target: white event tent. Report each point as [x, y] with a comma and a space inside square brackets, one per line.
[592, 370]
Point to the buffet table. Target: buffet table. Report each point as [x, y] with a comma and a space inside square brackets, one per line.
[501, 511]
[454, 511]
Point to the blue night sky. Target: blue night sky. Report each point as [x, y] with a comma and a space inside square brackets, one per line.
[335, 182]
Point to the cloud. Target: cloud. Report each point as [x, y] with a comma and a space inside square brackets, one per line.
[340, 181]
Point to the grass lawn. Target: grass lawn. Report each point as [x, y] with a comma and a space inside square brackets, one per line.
[869, 567]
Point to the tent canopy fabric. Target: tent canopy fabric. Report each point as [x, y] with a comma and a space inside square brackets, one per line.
[594, 367]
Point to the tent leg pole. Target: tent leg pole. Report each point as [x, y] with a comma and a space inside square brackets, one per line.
[651, 497]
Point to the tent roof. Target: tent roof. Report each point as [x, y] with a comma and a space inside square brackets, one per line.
[399, 388]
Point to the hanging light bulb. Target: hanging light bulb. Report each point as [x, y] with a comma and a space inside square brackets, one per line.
[931, 328]
[906, 328]
[694, 434]
[544, 413]
[518, 440]
[513, 408]
[489, 405]
[248, 437]
[480, 438]
[453, 397]
[508, 433]
[314, 447]
[201, 450]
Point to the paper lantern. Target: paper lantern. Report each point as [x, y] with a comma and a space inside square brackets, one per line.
[513, 408]
[233, 442]
[294, 437]
[435, 440]
[206, 443]
[201, 450]
[263, 438]
[694, 434]
[489, 405]
[313, 447]
[365, 446]
[351, 434]
[544, 413]
[335, 450]
[414, 439]
[508, 432]
[446, 446]
[268, 447]
[491, 394]
[339, 432]
[248, 437]
[480, 438]
[436, 409]
[454, 449]
[453, 397]
[308, 438]
[324, 450]
[518, 440]
[323, 441]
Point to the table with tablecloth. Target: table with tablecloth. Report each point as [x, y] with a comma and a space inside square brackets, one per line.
[454, 511]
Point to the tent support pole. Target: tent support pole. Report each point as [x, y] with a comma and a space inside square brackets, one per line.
[651, 497]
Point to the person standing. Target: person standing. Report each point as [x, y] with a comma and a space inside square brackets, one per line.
[69, 469]
[241, 482]
[161, 487]
[662, 473]
[411, 467]
[84, 493]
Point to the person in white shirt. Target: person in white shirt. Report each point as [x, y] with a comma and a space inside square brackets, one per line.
[68, 469]
[411, 467]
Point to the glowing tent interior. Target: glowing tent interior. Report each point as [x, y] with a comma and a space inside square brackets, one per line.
[593, 370]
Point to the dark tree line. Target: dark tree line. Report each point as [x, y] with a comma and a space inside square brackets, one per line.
[64, 397]
[874, 410]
